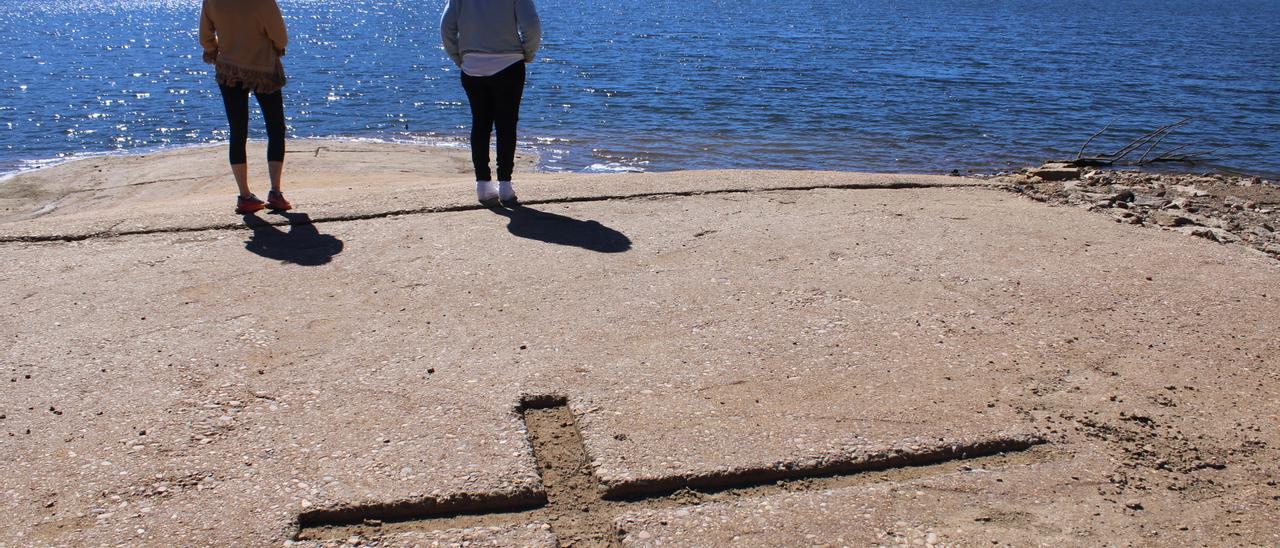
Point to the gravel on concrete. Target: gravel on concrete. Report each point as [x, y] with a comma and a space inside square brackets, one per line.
[207, 385]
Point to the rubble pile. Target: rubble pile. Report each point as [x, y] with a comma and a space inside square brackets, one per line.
[1228, 209]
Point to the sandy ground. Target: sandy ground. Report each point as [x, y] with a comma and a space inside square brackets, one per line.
[695, 358]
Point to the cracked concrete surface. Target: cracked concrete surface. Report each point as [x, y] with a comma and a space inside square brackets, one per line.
[144, 195]
[208, 383]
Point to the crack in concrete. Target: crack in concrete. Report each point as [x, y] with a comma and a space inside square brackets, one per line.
[111, 234]
[581, 512]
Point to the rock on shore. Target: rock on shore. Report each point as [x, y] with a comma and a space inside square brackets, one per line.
[1222, 208]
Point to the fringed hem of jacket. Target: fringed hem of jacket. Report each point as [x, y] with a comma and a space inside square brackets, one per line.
[254, 80]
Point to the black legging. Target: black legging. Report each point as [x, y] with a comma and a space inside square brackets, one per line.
[236, 101]
[495, 101]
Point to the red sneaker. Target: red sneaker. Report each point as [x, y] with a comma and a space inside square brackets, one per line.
[276, 201]
[248, 204]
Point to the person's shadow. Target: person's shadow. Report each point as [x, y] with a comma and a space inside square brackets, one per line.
[302, 245]
[530, 223]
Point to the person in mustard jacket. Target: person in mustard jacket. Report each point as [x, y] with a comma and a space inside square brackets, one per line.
[244, 41]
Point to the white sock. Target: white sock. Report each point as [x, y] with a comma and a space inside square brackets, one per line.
[506, 191]
[486, 190]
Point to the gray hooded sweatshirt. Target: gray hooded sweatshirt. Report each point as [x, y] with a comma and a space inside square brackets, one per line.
[490, 26]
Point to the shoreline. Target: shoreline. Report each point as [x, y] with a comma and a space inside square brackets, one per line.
[529, 147]
[46, 163]
[1223, 208]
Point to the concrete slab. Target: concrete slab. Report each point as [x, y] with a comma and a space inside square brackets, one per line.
[1059, 502]
[191, 189]
[196, 386]
[156, 393]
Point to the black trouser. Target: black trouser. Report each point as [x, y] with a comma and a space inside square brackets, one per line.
[236, 100]
[495, 101]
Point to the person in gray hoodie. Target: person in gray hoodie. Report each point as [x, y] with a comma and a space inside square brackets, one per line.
[491, 40]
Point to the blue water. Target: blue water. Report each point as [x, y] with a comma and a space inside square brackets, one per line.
[920, 85]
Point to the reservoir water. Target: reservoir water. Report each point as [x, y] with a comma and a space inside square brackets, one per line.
[883, 85]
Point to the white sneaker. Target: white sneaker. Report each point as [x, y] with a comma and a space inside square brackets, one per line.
[487, 193]
[507, 193]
